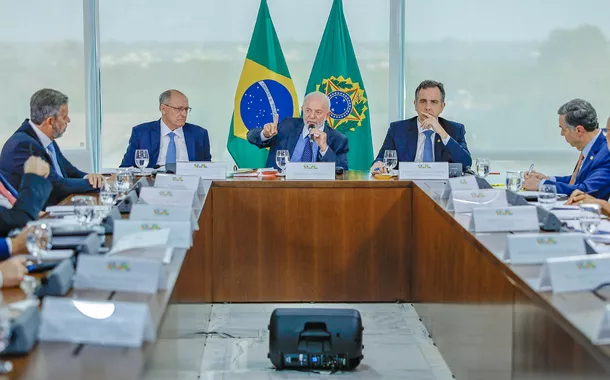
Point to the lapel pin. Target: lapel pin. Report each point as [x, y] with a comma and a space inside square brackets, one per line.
[590, 158]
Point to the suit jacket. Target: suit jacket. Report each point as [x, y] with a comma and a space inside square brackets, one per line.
[4, 251]
[288, 132]
[148, 136]
[402, 137]
[32, 196]
[23, 144]
[594, 174]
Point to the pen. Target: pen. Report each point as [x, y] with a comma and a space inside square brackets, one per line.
[531, 168]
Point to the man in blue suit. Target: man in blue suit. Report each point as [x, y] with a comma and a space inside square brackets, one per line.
[427, 137]
[36, 136]
[169, 139]
[295, 135]
[591, 175]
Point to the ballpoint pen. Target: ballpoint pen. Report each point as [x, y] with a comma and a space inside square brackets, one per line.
[531, 168]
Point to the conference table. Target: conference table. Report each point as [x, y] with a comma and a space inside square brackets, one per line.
[358, 239]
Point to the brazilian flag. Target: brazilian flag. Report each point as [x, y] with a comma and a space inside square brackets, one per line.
[335, 72]
[265, 87]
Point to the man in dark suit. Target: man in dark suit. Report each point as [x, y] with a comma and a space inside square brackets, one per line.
[36, 136]
[426, 137]
[169, 139]
[293, 134]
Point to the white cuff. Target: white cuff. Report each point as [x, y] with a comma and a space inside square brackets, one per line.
[323, 153]
[9, 244]
[446, 140]
[1, 280]
[263, 138]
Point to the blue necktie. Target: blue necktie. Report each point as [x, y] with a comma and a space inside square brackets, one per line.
[53, 155]
[170, 157]
[307, 151]
[428, 146]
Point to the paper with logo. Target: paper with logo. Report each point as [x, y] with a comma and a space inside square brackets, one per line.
[170, 197]
[537, 248]
[142, 212]
[464, 183]
[423, 170]
[152, 244]
[205, 170]
[176, 181]
[508, 219]
[575, 273]
[602, 333]
[465, 200]
[107, 323]
[181, 233]
[119, 273]
[310, 171]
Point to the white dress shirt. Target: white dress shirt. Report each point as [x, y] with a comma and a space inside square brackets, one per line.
[44, 139]
[421, 139]
[4, 202]
[182, 153]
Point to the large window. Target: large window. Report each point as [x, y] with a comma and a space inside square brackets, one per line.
[507, 67]
[41, 45]
[199, 47]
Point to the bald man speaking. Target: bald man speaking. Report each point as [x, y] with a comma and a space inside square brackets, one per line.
[170, 139]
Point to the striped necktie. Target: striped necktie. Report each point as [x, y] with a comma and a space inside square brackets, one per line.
[307, 155]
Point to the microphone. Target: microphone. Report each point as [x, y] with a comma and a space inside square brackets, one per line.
[309, 128]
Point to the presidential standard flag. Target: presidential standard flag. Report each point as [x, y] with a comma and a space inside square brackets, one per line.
[335, 72]
[265, 87]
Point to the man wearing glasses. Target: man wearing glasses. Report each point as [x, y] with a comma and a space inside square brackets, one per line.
[170, 139]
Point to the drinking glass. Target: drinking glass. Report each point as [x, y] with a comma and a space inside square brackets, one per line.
[123, 178]
[590, 217]
[547, 197]
[282, 157]
[482, 166]
[390, 160]
[5, 327]
[108, 193]
[141, 159]
[38, 241]
[514, 180]
[83, 208]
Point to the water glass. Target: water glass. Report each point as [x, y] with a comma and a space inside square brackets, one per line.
[282, 157]
[141, 159]
[38, 240]
[590, 217]
[482, 167]
[83, 208]
[514, 180]
[123, 178]
[5, 327]
[390, 160]
[108, 193]
[547, 197]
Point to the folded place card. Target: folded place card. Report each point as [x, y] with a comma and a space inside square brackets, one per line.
[118, 273]
[464, 183]
[170, 197]
[205, 170]
[602, 333]
[310, 170]
[148, 244]
[182, 181]
[107, 323]
[180, 236]
[537, 248]
[143, 212]
[465, 200]
[423, 170]
[573, 274]
[505, 219]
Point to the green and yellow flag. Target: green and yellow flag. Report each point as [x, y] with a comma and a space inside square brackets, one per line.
[265, 87]
[335, 72]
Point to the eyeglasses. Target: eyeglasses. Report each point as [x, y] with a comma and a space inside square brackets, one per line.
[180, 109]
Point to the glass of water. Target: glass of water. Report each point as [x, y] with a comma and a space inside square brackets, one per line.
[590, 217]
[123, 178]
[547, 197]
[83, 208]
[108, 194]
[141, 159]
[38, 241]
[390, 160]
[282, 157]
[514, 180]
[482, 166]
[5, 327]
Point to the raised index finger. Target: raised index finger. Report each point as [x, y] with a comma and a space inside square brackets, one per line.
[276, 117]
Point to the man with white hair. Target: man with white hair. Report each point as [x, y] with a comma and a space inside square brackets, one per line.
[307, 139]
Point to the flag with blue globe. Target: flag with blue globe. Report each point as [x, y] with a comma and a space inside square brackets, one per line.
[265, 87]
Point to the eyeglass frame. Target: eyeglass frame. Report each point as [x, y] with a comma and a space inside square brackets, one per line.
[180, 109]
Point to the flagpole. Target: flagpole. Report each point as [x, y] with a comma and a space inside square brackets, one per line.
[397, 77]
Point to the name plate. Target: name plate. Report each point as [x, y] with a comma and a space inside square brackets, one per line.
[175, 181]
[602, 333]
[180, 236]
[170, 197]
[143, 212]
[203, 169]
[311, 170]
[423, 170]
[464, 183]
[466, 200]
[517, 218]
[574, 274]
[123, 324]
[118, 273]
[537, 248]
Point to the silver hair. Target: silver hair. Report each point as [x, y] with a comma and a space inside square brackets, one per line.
[579, 112]
[46, 103]
[320, 95]
[167, 95]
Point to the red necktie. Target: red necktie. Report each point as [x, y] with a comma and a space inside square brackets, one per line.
[577, 169]
[7, 194]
